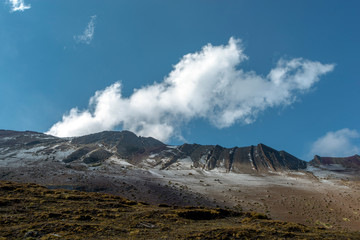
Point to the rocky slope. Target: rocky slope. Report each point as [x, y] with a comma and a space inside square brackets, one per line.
[144, 152]
[144, 169]
[30, 211]
[252, 159]
[340, 164]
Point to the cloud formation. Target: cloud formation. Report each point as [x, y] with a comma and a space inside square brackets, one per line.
[207, 84]
[88, 34]
[18, 5]
[336, 144]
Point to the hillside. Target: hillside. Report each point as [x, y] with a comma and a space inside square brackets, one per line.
[254, 178]
[33, 212]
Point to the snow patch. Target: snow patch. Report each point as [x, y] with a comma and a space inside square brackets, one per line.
[153, 155]
[172, 147]
[60, 155]
[4, 139]
[119, 161]
[203, 160]
[251, 161]
[325, 173]
[298, 173]
[182, 164]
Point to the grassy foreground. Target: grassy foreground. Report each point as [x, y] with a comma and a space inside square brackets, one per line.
[30, 211]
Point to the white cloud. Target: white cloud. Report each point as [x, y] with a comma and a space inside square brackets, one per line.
[207, 84]
[18, 5]
[336, 144]
[88, 34]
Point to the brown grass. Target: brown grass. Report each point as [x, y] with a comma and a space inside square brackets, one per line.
[30, 211]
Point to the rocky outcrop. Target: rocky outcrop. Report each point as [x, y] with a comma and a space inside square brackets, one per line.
[126, 144]
[339, 164]
[260, 158]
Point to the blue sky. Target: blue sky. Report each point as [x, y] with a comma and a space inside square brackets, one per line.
[55, 55]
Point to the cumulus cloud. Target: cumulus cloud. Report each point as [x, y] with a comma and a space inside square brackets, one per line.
[337, 144]
[207, 84]
[88, 34]
[18, 5]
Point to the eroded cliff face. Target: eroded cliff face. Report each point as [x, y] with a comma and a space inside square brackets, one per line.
[252, 159]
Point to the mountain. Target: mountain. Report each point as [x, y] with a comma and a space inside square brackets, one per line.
[100, 146]
[337, 164]
[323, 193]
[146, 152]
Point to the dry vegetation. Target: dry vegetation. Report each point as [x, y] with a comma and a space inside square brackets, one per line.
[34, 212]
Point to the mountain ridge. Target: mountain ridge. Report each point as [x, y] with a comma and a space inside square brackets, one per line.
[148, 151]
[100, 146]
[339, 164]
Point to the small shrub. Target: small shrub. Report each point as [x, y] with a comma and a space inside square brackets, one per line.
[206, 214]
[163, 205]
[255, 215]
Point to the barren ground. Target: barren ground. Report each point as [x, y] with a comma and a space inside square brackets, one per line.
[29, 211]
[299, 197]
